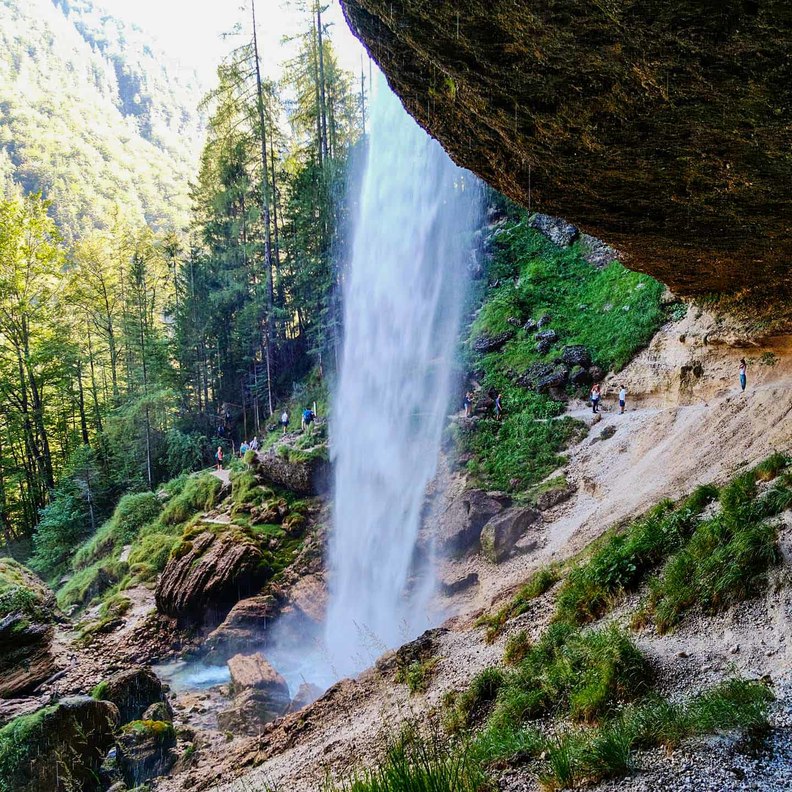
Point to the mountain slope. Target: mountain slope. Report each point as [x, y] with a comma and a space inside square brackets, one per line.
[92, 116]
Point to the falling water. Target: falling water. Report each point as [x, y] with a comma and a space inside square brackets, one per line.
[403, 295]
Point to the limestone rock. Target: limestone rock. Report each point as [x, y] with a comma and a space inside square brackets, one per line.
[144, 750]
[553, 497]
[309, 596]
[248, 713]
[459, 584]
[27, 613]
[557, 378]
[246, 622]
[599, 138]
[579, 376]
[132, 691]
[254, 672]
[209, 575]
[596, 252]
[302, 476]
[534, 373]
[63, 747]
[161, 711]
[558, 231]
[545, 340]
[500, 535]
[460, 524]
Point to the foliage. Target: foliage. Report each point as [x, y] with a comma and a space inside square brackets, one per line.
[417, 675]
[19, 744]
[197, 494]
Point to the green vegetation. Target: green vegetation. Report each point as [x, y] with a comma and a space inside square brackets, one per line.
[20, 743]
[161, 731]
[613, 312]
[22, 593]
[418, 674]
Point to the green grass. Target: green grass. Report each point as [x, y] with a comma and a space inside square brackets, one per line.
[728, 556]
[197, 494]
[418, 674]
[613, 312]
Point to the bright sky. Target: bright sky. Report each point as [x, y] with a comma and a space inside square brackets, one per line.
[191, 31]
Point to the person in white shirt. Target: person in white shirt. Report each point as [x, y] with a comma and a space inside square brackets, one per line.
[622, 399]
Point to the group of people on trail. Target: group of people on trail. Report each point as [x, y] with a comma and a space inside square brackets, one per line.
[306, 422]
[596, 395]
[496, 405]
[253, 445]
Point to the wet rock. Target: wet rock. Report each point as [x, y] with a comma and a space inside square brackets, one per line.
[303, 476]
[254, 672]
[558, 231]
[576, 355]
[161, 711]
[27, 614]
[61, 748]
[248, 713]
[144, 750]
[486, 344]
[132, 691]
[557, 378]
[501, 534]
[460, 525]
[306, 695]
[309, 597]
[579, 376]
[459, 584]
[247, 621]
[207, 575]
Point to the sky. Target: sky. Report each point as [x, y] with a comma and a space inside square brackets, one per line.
[191, 31]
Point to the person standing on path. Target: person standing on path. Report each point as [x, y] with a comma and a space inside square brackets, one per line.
[468, 403]
[498, 407]
[743, 374]
[307, 420]
[622, 399]
[219, 457]
[596, 392]
[284, 421]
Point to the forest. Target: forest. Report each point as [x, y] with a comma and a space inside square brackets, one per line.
[131, 344]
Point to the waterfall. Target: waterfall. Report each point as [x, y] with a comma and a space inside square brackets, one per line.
[402, 303]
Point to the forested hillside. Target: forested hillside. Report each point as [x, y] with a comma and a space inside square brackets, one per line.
[131, 343]
[93, 117]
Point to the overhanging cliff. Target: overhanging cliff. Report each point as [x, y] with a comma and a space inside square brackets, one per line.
[664, 128]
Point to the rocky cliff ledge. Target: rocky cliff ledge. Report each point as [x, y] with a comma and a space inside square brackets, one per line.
[661, 127]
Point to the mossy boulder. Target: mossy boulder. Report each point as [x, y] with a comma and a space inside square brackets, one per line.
[144, 750]
[132, 691]
[302, 472]
[27, 613]
[58, 748]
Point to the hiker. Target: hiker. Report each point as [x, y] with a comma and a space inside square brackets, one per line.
[254, 443]
[743, 373]
[622, 399]
[307, 419]
[244, 448]
[219, 457]
[498, 407]
[284, 421]
[596, 392]
[468, 403]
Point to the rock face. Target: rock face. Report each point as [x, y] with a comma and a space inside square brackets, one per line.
[247, 621]
[132, 691]
[144, 751]
[500, 535]
[306, 695]
[27, 612]
[461, 523]
[59, 748]
[660, 127]
[209, 574]
[305, 477]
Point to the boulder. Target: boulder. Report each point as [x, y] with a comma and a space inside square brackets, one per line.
[576, 355]
[144, 750]
[530, 326]
[208, 574]
[58, 748]
[597, 374]
[579, 376]
[545, 340]
[161, 711]
[544, 320]
[27, 614]
[486, 344]
[246, 622]
[533, 374]
[306, 695]
[500, 535]
[254, 672]
[248, 713]
[553, 497]
[459, 526]
[303, 474]
[132, 691]
[558, 231]
[309, 597]
[557, 378]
